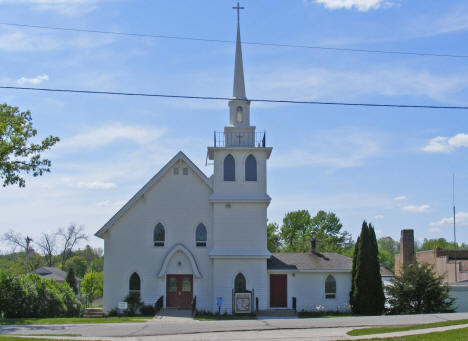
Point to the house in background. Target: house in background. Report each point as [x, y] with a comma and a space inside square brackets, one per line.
[47, 272]
[452, 265]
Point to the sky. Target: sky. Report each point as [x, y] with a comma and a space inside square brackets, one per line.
[392, 167]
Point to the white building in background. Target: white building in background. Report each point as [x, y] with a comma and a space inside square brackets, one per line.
[185, 236]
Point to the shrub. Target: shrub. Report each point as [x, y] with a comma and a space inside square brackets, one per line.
[134, 303]
[147, 310]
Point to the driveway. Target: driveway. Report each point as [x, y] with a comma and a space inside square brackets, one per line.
[314, 328]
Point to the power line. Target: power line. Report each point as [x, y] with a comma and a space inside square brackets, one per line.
[162, 36]
[214, 98]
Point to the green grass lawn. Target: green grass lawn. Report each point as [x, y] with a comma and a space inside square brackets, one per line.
[313, 314]
[217, 317]
[450, 335]
[381, 330]
[16, 338]
[74, 320]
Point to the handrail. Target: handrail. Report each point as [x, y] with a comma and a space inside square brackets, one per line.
[159, 304]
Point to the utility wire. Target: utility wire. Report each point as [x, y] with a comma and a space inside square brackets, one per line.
[162, 36]
[141, 94]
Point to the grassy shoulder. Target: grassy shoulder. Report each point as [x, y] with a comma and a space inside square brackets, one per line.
[392, 329]
[452, 335]
[313, 314]
[74, 320]
[17, 338]
[218, 317]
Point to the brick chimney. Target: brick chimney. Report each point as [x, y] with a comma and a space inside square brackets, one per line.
[313, 245]
[406, 247]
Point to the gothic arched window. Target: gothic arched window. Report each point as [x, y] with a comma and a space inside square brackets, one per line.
[251, 168]
[330, 287]
[239, 283]
[229, 168]
[159, 235]
[200, 235]
[134, 283]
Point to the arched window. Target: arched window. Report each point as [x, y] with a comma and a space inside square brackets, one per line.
[239, 114]
[239, 283]
[251, 168]
[134, 283]
[200, 235]
[330, 287]
[229, 168]
[159, 235]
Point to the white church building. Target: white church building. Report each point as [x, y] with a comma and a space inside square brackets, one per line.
[203, 239]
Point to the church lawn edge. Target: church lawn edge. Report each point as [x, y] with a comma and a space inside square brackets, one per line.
[21, 338]
[74, 320]
[393, 329]
[452, 335]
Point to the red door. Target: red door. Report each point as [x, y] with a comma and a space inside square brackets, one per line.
[179, 291]
[278, 291]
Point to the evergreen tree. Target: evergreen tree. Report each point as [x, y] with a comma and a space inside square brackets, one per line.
[71, 280]
[418, 291]
[367, 296]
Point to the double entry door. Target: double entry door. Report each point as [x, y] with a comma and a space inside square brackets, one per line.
[179, 291]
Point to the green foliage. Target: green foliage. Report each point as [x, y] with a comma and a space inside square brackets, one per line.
[92, 285]
[387, 250]
[17, 153]
[441, 243]
[31, 296]
[296, 230]
[273, 238]
[417, 290]
[134, 303]
[78, 264]
[97, 265]
[367, 296]
[71, 280]
[327, 228]
[147, 310]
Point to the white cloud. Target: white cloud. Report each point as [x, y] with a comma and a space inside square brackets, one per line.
[109, 203]
[96, 185]
[400, 198]
[381, 80]
[103, 136]
[461, 218]
[34, 81]
[68, 7]
[379, 216]
[434, 230]
[338, 148]
[417, 209]
[442, 144]
[360, 5]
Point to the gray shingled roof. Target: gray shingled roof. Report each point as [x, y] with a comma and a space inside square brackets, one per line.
[47, 272]
[313, 261]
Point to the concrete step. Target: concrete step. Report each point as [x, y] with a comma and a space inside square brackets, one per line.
[277, 312]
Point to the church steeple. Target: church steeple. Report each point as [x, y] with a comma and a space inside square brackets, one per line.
[239, 84]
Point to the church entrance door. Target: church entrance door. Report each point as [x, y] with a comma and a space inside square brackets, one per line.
[278, 291]
[179, 291]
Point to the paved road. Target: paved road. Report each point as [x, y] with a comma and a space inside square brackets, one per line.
[320, 327]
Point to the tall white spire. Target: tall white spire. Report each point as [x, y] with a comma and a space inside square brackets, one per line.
[239, 84]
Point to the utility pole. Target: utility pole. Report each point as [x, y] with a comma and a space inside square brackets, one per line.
[28, 241]
[454, 225]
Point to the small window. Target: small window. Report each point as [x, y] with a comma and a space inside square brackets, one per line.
[200, 235]
[159, 235]
[251, 168]
[185, 171]
[239, 114]
[134, 283]
[229, 168]
[239, 283]
[330, 287]
[176, 171]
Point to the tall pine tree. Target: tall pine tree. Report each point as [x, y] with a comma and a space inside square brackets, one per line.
[71, 280]
[367, 296]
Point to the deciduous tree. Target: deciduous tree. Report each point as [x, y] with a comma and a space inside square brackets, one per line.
[18, 154]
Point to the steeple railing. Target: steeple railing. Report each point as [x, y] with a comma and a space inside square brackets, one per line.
[240, 139]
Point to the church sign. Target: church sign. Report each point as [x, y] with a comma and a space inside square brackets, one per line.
[243, 302]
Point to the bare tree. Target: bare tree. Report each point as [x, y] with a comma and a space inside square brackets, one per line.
[17, 240]
[48, 246]
[71, 238]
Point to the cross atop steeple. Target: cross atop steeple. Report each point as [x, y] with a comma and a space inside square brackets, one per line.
[238, 8]
[239, 86]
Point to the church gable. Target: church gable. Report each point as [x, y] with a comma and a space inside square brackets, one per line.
[180, 169]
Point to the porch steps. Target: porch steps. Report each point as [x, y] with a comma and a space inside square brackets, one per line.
[277, 312]
[93, 312]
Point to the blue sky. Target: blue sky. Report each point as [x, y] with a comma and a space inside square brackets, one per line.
[392, 167]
